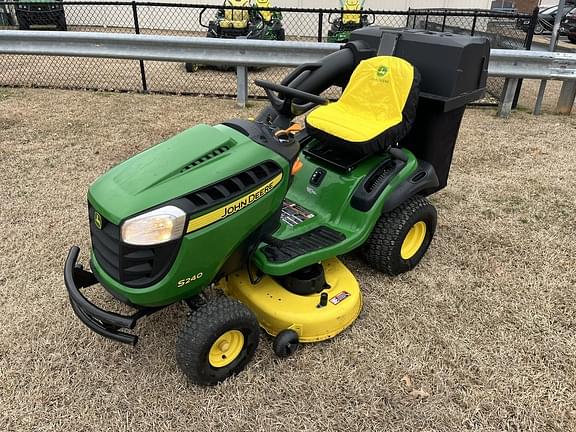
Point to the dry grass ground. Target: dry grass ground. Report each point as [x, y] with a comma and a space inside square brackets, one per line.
[481, 336]
[529, 93]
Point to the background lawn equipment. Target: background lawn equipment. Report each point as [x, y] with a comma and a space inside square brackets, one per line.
[346, 22]
[41, 13]
[242, 19]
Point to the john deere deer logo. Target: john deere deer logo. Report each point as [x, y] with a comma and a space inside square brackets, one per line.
[382, 71]
[98, 220]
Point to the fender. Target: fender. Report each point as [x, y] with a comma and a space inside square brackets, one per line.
[423, 179]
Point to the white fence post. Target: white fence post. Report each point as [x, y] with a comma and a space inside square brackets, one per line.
[567, 96]
[507, 98]
[241, 86]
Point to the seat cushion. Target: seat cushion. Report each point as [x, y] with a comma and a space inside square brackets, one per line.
[376, 109]
[351, 5]
[266, 15]
[235, 18]
[227, 24]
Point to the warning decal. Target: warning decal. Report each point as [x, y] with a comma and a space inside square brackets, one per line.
[293, 214]
[340, 297]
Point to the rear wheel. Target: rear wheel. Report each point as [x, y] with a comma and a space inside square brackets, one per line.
[281, 34]
[217, 341]
[23, 23]
[61, 23]
[401, 237]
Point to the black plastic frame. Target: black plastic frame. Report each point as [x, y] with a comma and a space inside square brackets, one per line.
[105, 323]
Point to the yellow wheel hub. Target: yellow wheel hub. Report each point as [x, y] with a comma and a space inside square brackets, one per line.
[413, 240]
[226, 348]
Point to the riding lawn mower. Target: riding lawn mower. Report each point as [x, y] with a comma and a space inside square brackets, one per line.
[348, 21]
[262, 208]
[242, 19]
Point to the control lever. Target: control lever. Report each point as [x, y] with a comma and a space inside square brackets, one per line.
[397, 153]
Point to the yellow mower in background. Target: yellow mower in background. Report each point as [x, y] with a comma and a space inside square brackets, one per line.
[348, 21]
[243, 19]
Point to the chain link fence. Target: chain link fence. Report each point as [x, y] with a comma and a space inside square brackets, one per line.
[504, 31]
[195, 20]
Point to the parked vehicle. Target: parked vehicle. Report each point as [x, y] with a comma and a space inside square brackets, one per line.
[570, 26]
[346, 21]
[546, 19]
[252, 20]
[40, 13]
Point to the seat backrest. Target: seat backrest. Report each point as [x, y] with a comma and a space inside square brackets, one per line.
[379, 88]
[237, 14]
[351, 5]
[266, 15]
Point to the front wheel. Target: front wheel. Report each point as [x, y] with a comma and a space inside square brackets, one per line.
[191, 67]
[217, 341]
[539, 29]
[285, 343]
[401, 237]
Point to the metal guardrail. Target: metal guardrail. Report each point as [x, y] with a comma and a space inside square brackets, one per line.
[504, 29]
[243, 53]
[517, 65]
[533, 64]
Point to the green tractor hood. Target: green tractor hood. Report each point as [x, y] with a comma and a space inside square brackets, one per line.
[188, 161]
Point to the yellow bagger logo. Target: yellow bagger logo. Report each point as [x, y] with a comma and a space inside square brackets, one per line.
[233, 207]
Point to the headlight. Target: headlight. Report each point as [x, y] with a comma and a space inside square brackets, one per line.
[155, 227]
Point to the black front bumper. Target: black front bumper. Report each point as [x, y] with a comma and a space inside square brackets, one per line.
[105, 323]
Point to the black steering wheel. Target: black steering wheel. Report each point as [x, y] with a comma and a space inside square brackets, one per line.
[287, 104]
[289, 91]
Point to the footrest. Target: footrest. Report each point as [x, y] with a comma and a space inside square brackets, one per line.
[290, 248]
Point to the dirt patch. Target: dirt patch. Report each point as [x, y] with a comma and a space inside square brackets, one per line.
[481, 336]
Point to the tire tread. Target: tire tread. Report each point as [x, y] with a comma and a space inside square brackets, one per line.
[382, 246]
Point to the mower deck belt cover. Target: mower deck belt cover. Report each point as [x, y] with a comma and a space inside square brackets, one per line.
[376, 109]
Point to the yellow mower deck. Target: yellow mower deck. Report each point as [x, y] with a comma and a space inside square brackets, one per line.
[278, 309]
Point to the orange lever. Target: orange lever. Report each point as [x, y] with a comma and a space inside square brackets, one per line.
[298, 165]
[294, 128]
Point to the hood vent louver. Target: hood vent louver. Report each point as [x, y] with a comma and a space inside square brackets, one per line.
[206, 157]
[233, 187]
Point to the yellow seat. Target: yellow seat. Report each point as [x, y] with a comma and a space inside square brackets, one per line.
[235, 18]
[375, 111]
[266, 4]
[351, 5]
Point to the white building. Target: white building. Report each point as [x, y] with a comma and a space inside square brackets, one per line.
[369, 4]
